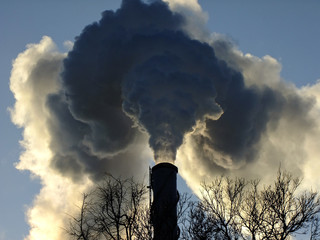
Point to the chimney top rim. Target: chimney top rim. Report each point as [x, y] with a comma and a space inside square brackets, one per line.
[165, 165]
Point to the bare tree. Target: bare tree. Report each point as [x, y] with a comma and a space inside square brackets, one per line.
[252, 211]
[221, 200]
[142, 226]
[287, 212]
[315, 229]
[111, 211]
[228, 209]
[82, 226]
[196, 223]
[236, 209]
[215, 215]
[183, 207]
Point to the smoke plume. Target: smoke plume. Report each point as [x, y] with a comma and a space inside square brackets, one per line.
[147, 77]
[126, 75]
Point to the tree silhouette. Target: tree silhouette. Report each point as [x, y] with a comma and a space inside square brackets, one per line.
[227, 209]
[231, 209]
[287, 212]
[111, 211]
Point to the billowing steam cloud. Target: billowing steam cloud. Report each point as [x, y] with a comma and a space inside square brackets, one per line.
[126, 75]
[147, 76]
[278, 125]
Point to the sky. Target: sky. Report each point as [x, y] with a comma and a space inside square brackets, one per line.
[287, 31]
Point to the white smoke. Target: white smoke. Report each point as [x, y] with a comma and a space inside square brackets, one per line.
[195, 17]
[35, 75]
[290, 143]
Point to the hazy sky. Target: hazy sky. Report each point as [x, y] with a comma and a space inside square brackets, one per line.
[286, 30]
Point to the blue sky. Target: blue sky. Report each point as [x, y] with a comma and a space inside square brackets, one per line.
[286, 30]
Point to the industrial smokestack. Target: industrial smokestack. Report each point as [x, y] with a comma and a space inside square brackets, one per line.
[165, 199]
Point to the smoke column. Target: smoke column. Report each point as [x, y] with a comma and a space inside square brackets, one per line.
[141, 79]
[126, 75]
[147, 76]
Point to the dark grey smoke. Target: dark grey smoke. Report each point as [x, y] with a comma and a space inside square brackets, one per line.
[137, 71]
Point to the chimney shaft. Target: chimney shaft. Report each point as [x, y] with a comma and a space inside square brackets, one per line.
[165, 199]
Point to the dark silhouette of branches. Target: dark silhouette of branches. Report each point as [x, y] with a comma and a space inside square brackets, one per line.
[231, 209]
[227, 209]
[82, 226]
[182, 207]
[315, 229]
[221, 199]
[111, 211]
[288, 212]
[252, 211]
[196, 223]
[142, 226]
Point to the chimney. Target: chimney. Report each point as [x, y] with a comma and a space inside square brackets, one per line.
[165, 199]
